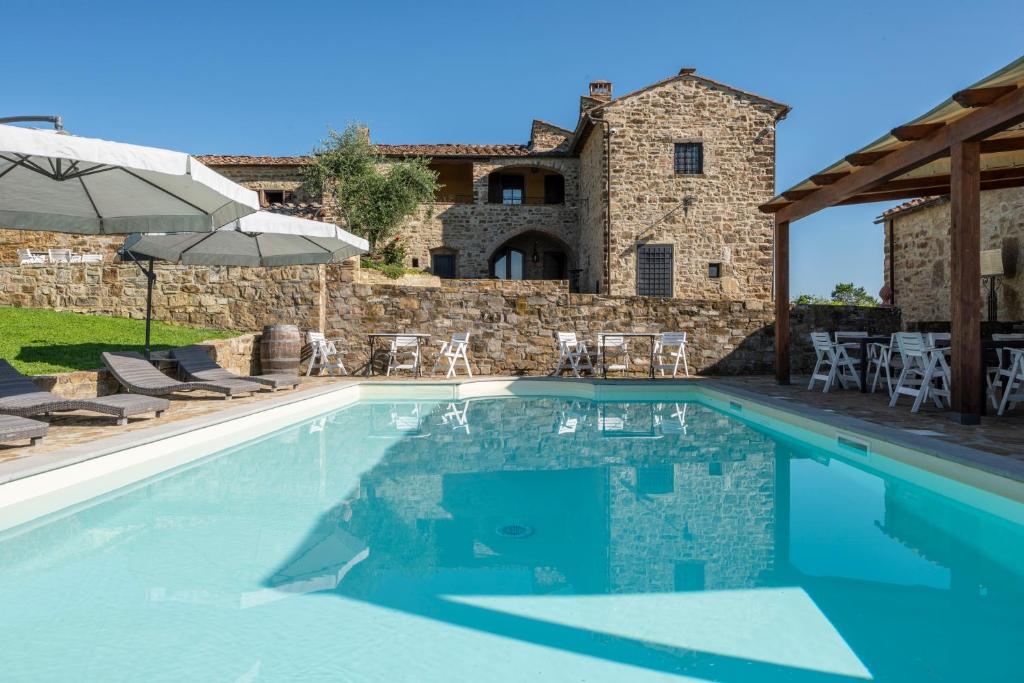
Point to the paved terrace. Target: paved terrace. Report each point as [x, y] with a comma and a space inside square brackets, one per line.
[997, 435]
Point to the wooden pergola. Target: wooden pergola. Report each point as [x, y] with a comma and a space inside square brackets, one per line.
[973, 141]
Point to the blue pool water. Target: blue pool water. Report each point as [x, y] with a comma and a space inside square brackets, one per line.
[519, 539]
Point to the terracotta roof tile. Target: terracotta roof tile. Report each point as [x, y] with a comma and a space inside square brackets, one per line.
[436, 150]
[915, 203]
[248, 160]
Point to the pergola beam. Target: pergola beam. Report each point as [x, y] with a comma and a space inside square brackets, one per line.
[916, 131]
[1007, 111]
[971, 98]
[965, 276]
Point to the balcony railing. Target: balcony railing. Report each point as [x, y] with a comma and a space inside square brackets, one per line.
[449, 198]
[529, 201]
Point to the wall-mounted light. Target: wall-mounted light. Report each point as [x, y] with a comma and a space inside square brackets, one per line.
[992, 267]
[687, 203]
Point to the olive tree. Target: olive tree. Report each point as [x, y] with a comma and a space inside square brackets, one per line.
[371, 195]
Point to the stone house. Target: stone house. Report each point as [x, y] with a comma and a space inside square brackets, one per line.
[651, 193]
[917, 255]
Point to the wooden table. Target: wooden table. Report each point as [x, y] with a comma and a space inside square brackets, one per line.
[600, 339]
[420, 338]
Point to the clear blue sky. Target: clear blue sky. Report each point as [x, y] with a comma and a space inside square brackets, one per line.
[269, 77]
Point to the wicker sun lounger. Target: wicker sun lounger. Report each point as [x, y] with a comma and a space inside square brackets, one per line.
[137, 375]
[19, 395]
[197, 365]
[14, 428]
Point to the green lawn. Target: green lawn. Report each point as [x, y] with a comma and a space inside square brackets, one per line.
[39, 341]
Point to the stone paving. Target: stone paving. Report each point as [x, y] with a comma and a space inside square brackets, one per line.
[998, 435]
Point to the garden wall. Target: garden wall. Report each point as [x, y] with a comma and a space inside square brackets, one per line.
[512, 323]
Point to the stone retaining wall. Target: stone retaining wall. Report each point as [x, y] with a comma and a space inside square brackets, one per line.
[512, 323]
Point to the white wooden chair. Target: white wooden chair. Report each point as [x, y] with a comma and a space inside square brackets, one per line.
[923, 366]
[833, 364]
[572, 354]
[1013, 391]
[59, 255]
[884, 358]
[453, 351]
[613, 353]
[996, 374]
[323, 354]
[932, 339]
[404, 354]
[672, 344]
[28, 257]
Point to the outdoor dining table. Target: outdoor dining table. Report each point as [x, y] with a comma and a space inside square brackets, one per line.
[420, 338]
[600, 342]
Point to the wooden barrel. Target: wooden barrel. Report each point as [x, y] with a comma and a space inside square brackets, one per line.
[280, 347]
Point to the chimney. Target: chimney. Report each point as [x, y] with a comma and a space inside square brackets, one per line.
[601, 91]
[364, 134]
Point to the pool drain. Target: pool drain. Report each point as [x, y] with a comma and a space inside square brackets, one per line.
[514, 531]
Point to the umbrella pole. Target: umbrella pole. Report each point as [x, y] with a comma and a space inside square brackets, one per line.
[150, 277]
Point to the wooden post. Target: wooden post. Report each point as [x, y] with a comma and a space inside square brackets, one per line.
[965, 281]
[782, 302]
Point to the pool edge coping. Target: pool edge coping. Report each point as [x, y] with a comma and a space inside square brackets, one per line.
[990, 463]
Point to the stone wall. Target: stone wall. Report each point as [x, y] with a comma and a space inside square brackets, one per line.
[921, 257]
[229, 298]
[721, 223]
[512, 322]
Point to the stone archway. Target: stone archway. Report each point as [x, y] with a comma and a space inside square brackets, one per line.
[531, 255]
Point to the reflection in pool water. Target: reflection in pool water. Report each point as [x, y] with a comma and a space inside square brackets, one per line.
[518, 539]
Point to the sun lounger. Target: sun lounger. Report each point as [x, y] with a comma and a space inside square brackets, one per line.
[14, 428]
[197, 365]
[19, 395]
[137, 375]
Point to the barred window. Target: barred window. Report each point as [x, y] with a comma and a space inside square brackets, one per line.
[689, 158]
[654, 270]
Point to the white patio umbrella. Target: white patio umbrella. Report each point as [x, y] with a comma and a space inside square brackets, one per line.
[262, 239]
[53, 181]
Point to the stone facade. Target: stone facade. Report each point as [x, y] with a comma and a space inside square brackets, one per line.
[708, 218]
[512, 323]
[920, 256]
[620, 190]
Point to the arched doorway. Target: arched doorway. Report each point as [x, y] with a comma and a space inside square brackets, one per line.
[532, 255]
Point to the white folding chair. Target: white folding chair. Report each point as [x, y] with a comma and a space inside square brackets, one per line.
[323, 354]
[833, 364]
[1013, 392]
[617, 348]
[995, 375]
[672, 344]
[454, 350]
[932, 339]
[923, 365]
[572, 354]
[28, 257]
[884, 358]
[91, 258]
[404, 354]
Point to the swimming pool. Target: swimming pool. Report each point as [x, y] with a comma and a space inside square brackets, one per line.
[681, 536]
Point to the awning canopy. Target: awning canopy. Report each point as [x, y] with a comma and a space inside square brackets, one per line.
[912, 160]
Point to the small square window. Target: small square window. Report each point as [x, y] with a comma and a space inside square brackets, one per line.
[689, 158]
[277, 197]
[714, 270]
